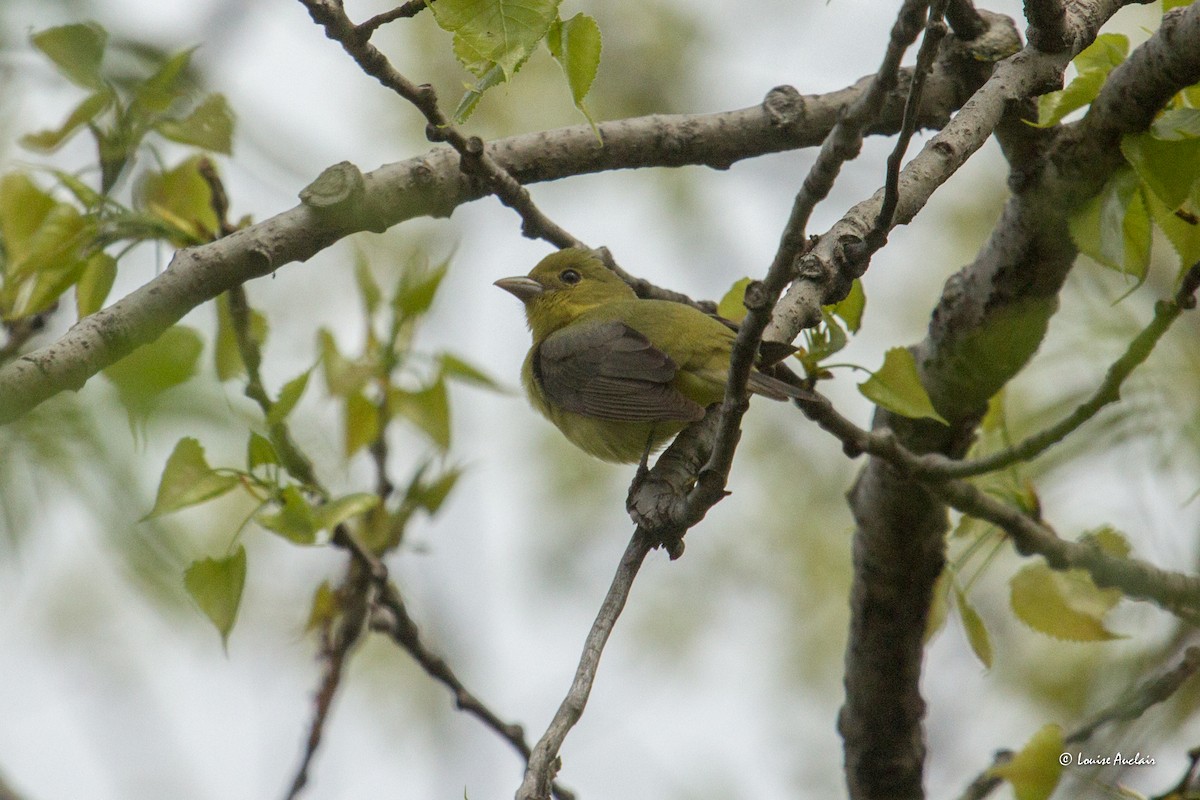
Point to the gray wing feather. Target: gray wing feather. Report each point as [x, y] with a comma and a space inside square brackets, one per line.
[607, 370]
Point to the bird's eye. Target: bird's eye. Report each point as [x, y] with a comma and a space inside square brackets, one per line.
[569, 277]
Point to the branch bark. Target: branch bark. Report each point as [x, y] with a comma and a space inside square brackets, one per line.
[1009, 291]
[434, 185]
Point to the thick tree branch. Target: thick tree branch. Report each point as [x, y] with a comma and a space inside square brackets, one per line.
[433, 185]
[1009, 294]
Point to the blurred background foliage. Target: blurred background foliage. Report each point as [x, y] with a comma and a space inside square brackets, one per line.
[726, 660]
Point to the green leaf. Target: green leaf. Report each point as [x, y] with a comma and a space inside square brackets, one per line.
[76, 50]
[466, 105]
[428, 409]
[368, 288]
[897, 387]
[88, 197]
[1183, 236]
[362, 423]
[1093, 65]
[289, 396]
[187, 480]
[56, 240]
[23, 209]
[939, 605]
[977, 635]
[156, 94]
[153, 368]
[226, 353]
[293, 519]
[493, 38]
[454, 367]
[500, 32]
[216, 586]
[850, 308]
[324, 607]
[1108, 539]
[417, 288]
[48, 286]
[209, 126]
[260, 452]
[988, 355]
[343, 377]
[181, 197]
[1170, 168]
[431, 495]
[88, 109]
[1064, 605]
[1114, 226]
[826, 341]
[576, 45]
[1177, 124]
[1034, 772]
[335, 512]
[733, 305]
[94, 284]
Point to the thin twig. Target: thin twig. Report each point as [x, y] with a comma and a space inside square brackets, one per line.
[391, 617]
[544, 761]
[935, 31]
[937, 466]
[1174, 591]
[842, 143]
[475, 159]
[845, 140]
[364, 572]
[1130, 707]
[403, 11]
[338, 638]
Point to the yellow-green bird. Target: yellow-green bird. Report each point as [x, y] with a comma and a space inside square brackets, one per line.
[617, 374]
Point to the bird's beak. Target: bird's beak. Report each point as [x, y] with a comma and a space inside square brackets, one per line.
[524, 289]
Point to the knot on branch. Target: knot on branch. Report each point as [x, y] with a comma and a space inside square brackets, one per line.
[336, 188]
[757, 298]
[784, 106]
[658, 500]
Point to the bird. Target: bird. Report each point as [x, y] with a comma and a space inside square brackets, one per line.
[617, 374]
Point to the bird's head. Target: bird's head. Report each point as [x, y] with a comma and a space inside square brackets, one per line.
[562, 286]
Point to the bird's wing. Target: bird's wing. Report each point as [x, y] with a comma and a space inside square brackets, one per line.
[607, 370]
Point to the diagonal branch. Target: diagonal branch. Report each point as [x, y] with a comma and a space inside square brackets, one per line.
[936, 466]
[1137, 702]
[544, 761]
[434, 185]
[474, 158]
[390, 616]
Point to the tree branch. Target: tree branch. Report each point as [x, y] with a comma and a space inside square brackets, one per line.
[1009, 291]
[544, 762]
[1130, 707]
[937, 466]
[433, 185]
[390, 616]
[474, 159]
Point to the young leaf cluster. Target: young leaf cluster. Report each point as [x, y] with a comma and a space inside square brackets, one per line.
[388, 383]
[494, 38]
[73, 233]
[1159, 186]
